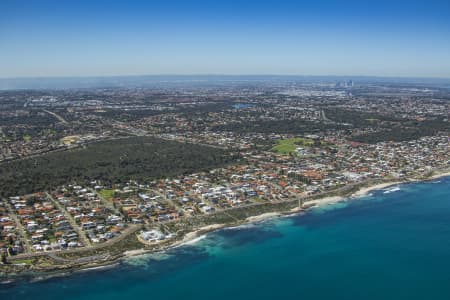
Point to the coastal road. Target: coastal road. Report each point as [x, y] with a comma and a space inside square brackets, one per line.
[131, 229]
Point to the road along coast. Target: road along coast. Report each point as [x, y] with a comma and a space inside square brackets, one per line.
[187, 231]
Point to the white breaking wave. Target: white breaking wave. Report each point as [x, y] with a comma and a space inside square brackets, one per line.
[243, 226]
[98, 268]
[194, 241]
[391, 190]
[143, 259]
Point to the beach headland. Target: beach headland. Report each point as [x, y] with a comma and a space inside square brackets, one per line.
[53, 264]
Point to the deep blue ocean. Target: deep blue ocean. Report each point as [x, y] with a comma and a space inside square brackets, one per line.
[393, 245]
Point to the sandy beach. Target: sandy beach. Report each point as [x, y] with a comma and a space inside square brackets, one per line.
[262, 217]
[366, 190]
[195, 234]
[326, 200]
[317, 202]
[440, 175]
[200, 233]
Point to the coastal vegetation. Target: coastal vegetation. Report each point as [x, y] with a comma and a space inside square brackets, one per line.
[85, 190]
[115, 249]
[118, 248]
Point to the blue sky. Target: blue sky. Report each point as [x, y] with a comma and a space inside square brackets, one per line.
[320, 37]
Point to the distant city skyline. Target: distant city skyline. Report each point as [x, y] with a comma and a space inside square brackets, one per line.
[315, 38]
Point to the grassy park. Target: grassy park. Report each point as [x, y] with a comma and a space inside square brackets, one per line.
[288, 146]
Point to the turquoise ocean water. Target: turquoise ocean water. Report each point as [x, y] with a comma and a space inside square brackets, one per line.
[390, 245]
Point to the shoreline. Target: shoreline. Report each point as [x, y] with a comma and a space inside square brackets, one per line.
[361, 192]
[365, 191]
[192, 236]
[437, 176]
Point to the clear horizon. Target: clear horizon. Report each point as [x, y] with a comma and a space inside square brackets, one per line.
[281, 38]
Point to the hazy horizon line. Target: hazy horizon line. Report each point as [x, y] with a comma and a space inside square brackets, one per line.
[222, 74]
